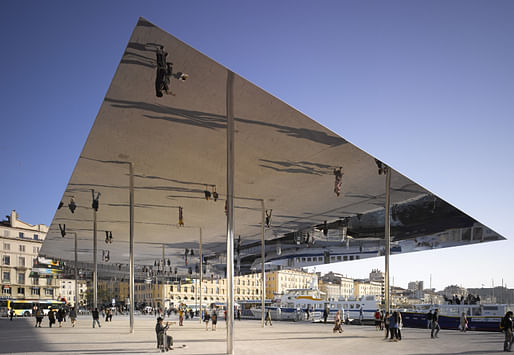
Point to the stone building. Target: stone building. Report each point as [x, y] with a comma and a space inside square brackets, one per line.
[20, 243]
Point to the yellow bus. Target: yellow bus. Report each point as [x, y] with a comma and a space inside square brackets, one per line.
[25, 307]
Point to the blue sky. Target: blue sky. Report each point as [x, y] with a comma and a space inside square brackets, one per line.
[426, 86]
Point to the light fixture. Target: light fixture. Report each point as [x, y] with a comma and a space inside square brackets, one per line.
[338, 183]
[72, 205]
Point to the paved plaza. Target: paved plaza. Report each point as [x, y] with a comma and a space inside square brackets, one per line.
[20, 336]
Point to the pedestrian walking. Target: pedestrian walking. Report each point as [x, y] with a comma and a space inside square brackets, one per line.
[506, 324]
[51, 318]
[96, 317]
[238, 314]
[60, 316]
[400, 325]
[393, 326]
[11, 313]
[325, 315]
[337, 323]
[463, 326]
[214, 320]
[73, 316]
[206, 319]
[435, 324]
[386, 325]
[39, 317]
[377, 320]
[429, 319]
[267, 319]
[181, 317]
[382, 320]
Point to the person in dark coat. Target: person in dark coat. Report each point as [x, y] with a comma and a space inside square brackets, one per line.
[51, 318]
[507, 329]
[39, 317]
[435, 324]
[214, 320]
[73, 316]
[160, 331]
[60, 316]
[325, 315]
[96, 318]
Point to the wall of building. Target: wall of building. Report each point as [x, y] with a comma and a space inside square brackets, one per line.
[20, 243]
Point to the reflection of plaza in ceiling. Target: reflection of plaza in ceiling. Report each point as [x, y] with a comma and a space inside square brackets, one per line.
[177, 145]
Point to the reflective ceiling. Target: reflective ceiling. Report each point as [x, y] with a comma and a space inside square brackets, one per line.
[177, 144]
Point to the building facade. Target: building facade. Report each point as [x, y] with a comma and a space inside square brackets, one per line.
[367, 288]
[66, 290]
[20, 243]
[335, 286]
[279, 281]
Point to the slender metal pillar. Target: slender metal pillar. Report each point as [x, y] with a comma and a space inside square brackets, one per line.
[387, 238]
[131, 245]
[230, 213]
[76, 277]
[163, 284]
[95, 266]
[201, 275]
[263, 272]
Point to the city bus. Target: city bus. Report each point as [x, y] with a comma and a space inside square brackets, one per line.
[25, 307]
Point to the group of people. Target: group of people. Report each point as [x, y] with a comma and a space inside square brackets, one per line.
[393, 325]
[433, 322]
[55, 315]
[210, 317]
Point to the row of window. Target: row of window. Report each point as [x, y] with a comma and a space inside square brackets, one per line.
[21, 235]
[34, 291]
[21, 247]
[6, 278]
[332, 258]
[6, 260]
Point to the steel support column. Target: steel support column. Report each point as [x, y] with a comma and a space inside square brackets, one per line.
[263, 260]
[163, 284]
[131, 245]
[76, 276]
[201, 275]
[95, 267]
[387, 238]
[230, 212]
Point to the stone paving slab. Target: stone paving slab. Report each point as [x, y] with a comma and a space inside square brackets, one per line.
[20, 336]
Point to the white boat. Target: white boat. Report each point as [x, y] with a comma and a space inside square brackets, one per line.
[480, 316]
[308, 304]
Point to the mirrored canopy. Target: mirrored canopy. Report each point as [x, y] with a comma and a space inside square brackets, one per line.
[177, 145]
